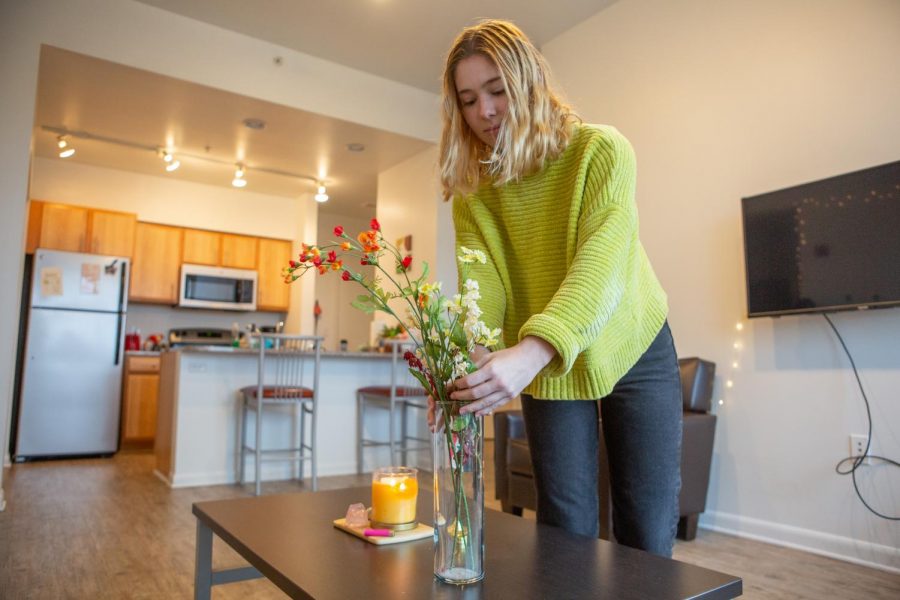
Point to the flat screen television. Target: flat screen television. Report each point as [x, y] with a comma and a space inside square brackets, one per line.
[828, 245]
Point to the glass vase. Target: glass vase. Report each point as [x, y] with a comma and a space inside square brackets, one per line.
[458, 445]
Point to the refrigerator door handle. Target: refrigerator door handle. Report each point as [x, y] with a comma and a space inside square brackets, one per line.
[120, 325]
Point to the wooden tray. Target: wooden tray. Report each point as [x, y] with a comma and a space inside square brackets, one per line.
[420, 532]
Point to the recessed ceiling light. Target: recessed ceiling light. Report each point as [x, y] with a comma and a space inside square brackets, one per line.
[254, 123]
[355, 147]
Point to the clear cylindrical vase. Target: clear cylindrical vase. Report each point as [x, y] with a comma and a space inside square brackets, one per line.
[458, 447]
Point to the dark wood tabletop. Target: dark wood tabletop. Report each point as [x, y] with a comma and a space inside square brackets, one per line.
[291, 540]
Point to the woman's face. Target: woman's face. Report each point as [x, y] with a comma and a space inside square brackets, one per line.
[482, 97]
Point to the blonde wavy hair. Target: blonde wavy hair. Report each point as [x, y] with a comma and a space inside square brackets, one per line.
[537, 124]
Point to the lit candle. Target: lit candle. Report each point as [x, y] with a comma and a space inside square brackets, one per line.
[394, 492]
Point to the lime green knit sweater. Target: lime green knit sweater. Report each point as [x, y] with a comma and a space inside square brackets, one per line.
[565, 264]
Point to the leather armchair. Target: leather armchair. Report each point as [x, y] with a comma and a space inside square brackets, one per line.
[515, 479]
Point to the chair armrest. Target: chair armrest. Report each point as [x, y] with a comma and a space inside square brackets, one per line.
[697, 377]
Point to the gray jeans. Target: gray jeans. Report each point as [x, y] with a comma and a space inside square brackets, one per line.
[641, 421]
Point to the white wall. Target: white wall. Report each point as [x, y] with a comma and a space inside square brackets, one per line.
[339, 320]
[133, 34]
[159, 199]
[409, 203]
[724, 99]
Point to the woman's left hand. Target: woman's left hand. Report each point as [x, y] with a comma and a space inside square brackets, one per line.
[502, 375]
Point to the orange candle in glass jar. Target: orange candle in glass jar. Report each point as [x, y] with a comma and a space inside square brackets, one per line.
[394, 493]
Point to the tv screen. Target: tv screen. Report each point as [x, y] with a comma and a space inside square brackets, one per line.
[828, 245]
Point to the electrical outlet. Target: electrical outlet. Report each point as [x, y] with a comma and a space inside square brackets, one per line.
[858, 443]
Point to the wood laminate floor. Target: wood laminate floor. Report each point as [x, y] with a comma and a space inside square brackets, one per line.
[108, 528]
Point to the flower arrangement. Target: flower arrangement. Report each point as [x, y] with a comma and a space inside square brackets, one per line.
[445, 332]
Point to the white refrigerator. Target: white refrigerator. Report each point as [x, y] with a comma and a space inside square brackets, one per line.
[71, 378]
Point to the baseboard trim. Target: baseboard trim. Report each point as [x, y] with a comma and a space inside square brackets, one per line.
[867, 554]
[272, 472]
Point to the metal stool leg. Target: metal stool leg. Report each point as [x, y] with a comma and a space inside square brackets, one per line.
[312, 453]
[300, 465]
[403, 433]
[393, 438]
[360, 407]
[242, 441]
[258, 446]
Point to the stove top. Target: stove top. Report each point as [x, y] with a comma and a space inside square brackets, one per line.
[199, 337]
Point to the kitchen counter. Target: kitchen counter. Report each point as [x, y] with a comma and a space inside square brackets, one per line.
[200, 406]
[142, 353]
[255, 351]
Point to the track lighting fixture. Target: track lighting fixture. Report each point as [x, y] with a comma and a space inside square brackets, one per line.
[239, 180]
[171, 162]
[65, 150]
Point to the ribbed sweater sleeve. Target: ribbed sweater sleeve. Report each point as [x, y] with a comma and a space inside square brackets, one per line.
[605, 246]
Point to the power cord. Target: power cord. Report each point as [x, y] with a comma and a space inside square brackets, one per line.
[858, 460]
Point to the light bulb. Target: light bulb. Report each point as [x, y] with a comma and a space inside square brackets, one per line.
[321, 189]
[67, 153]
[173, 165]
[167, 157]
[62, 143]
[238, 182]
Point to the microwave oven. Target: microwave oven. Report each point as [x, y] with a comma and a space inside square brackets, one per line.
[217, 288]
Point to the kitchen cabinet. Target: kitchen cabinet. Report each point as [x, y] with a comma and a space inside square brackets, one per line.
[56, 227]
[111, 232]
[201, 247]
[139, 401]
[273, 294]
[79, 229]
[238, 251]
[156, 265]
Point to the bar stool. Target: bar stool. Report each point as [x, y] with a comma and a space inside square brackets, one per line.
[288, 375]
[404, 394]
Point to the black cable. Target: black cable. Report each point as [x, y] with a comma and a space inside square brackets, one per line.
[858, 460]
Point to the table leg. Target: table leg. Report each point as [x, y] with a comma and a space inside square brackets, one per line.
[203, 563]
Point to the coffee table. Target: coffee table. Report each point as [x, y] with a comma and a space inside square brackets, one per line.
[290, 539]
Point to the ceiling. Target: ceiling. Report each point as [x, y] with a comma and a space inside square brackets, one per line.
[403, 40]
[203, 126]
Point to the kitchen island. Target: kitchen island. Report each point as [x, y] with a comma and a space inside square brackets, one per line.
[200, 407]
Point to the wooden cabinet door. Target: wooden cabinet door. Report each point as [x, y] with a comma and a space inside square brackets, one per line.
[156, 265]
[201, 247]
[274, 294]
[61, 227]
[139, 415]
[238, 251]
[111, 232]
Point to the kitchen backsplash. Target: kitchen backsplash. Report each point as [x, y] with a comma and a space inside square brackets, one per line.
[152, 318]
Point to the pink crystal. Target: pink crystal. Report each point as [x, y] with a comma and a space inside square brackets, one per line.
[357, 516]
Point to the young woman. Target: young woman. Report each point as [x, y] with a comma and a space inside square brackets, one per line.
[551, 202]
